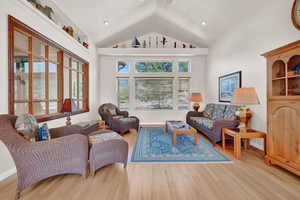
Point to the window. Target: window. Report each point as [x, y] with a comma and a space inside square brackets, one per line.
[123, 93]
[154, 85]
[43, 74]
[183, 66]
[73, 81]
[154, 93]
[183, 93]
[123, 67]
[153, 66]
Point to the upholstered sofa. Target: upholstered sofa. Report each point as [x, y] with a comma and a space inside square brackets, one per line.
[211, 121]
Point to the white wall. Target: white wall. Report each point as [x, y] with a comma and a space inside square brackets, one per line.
[108, 86]
[240, 49]
[38, 22]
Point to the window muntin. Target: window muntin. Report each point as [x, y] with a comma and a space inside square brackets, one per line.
[154, 93]
[153, 66]
[123, 93]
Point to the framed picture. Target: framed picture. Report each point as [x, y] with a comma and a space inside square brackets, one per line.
[227, 84]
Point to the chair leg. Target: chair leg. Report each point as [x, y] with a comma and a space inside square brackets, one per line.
[92, 173]
[18, 194]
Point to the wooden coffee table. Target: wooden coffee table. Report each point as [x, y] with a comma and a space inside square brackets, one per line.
[180, 127]
[238, 135]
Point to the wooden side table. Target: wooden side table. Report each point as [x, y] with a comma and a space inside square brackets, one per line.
[101, 123]
[238, 135]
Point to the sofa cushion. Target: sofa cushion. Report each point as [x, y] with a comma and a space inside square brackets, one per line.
[209, 109]
[203, 121]
[218, 112]
[100, 138]
[118, 117]
[230, 112]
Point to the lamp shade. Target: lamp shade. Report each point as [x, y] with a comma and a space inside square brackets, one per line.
[67, 106]
[245, 96]
[196, 97]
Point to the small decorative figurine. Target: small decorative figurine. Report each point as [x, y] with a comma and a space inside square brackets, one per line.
[175, 45]
[183, 45]
[144, 44]
[150, 42]
[135, 43]
[164, 41]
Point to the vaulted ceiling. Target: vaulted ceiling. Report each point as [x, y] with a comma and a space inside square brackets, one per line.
[180, 19]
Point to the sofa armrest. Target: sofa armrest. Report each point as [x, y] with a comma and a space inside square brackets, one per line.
[193, 114]
[222, 123]
[225, 123]
[107, 117]
[65, 130]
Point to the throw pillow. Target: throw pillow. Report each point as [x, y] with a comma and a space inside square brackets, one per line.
[218, 112]
[112, 111]
[43, 133]
[208, 112]
[230, 112]
[27, 126]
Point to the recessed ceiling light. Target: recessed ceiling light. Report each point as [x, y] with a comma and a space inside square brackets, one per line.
[106, 23]
[204, 23]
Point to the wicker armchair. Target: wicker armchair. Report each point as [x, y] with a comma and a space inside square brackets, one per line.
[118, 121]
[40, 160]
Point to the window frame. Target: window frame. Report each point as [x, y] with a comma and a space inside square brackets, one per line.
[16, 25]
[175, 74]
[117, 67]
[184, 60]
[152, 60]
[118, 90]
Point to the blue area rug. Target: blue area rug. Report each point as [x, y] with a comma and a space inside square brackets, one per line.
[155, 145]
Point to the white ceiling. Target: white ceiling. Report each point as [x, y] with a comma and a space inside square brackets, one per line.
[180, 19]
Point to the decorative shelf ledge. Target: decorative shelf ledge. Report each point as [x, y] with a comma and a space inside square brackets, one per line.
[53, 24]
[152, 52]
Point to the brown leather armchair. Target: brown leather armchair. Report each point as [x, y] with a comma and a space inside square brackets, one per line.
[117, 120]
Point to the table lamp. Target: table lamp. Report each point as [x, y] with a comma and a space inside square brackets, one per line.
[196, 98]
[67, 108]
[243, 97]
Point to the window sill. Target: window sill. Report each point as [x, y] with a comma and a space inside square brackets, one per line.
[44, 118]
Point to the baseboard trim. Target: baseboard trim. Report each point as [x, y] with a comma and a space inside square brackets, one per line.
[8, 173]
[152, 124]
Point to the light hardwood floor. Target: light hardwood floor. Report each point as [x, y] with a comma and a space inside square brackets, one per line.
[248, 178]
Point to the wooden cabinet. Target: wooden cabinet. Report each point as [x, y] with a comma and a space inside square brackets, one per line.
[283, 139]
